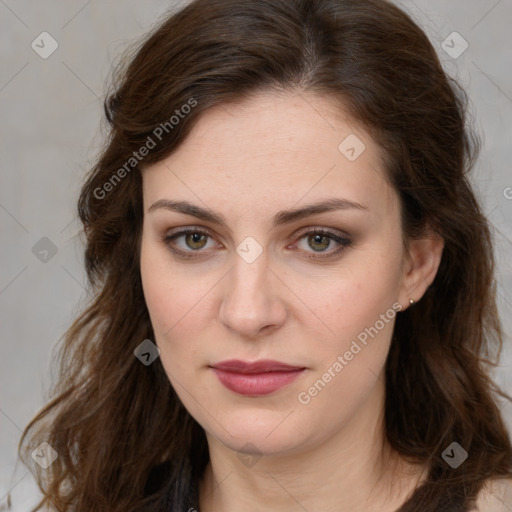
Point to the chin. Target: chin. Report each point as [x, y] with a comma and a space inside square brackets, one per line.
[258, 432]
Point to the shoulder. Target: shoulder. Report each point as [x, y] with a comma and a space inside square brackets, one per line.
[495, 496]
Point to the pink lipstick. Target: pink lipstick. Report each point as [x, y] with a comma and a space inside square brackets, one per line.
[255, 379]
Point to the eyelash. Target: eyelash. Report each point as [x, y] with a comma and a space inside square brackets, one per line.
[343, 241]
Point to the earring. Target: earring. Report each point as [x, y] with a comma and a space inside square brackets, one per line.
[411, 301]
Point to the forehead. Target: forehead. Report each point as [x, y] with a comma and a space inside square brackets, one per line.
[271, 124]
[270, 150]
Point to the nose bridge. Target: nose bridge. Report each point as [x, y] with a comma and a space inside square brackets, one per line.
[249, 284]
[250, 303]
[250, 272]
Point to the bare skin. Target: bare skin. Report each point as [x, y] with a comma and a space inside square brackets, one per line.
[297, 302]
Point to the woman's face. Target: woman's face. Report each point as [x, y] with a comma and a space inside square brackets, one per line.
[259, 285]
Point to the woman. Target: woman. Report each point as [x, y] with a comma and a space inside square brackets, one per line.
[293, 282]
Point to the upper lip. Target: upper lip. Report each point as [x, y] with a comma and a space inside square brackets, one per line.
[265, 365]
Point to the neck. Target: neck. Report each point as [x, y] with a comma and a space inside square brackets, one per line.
[353, 470]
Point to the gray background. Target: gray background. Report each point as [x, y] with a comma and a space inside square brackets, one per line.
[50, 132]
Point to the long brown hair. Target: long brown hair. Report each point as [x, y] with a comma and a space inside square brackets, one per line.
[113, 419]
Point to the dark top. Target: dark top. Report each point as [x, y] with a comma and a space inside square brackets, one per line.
[160, 479]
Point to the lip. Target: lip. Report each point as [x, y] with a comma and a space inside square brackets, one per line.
[257, 378]
[262, 366]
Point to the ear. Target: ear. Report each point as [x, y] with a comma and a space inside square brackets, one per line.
[420, 267]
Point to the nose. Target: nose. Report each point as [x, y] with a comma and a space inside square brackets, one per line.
[252, 302]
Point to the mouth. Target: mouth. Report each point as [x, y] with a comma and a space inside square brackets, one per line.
[257, 378]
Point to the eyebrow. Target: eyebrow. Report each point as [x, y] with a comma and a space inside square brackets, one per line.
[281, 218]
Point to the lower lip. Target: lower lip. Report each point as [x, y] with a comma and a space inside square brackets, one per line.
[256, 384]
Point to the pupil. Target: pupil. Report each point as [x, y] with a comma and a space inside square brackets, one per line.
[194, 240]
[318, 240]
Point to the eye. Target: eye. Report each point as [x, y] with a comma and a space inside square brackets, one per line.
[320, 240]
[196, 239]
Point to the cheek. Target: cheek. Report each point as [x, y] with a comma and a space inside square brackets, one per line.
[361, 312]
[359, 308]
[176, 300]
[160, 292]
[169, 294]
[350, 302]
